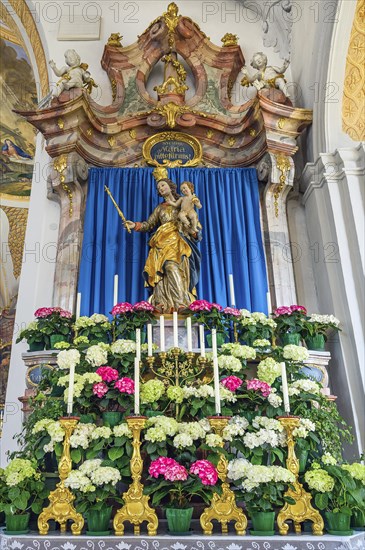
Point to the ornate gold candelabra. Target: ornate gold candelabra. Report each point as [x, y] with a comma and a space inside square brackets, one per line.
[61, 508]
[136, 509]
[302, 509]
[223, 507]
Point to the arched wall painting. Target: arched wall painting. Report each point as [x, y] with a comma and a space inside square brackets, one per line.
[17, 146]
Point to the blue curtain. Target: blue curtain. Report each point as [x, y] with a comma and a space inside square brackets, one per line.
[231, 243]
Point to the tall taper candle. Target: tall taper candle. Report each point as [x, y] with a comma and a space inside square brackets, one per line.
[115, 296]
[268, 298]
[78, 305]
[216, 372]
[189, 334]
[231, 290]
[284, 385]
[136, 386]
[70, 398]
[162, 333]
[202, 341]
[138, 343]
[176, 334]
[149, 339]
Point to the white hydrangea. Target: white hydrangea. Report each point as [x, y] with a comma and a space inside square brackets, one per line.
[119, 347]
[324, 319]
[227, 395]
[182, 440]
[214, 440]
[239, 351]
[91, 378]
[97, 355]
[305, 426]
[261, 343]
[68, 358]
[204, 391]
[236, 427]
[253, 475]
[295, 353]
[268, 423]
[274, 399]
[305, 385]
[237, 468]
[81, 436]
[101, 432]
[156, 433]
[78, 480]
[228, 362]
[90, 465]
[194, 429]
[99, 318]
[104, 475]
[259, 316]
[204, 422]
[262, 437]
[245, 313]
[268, 370]
[189, 391]
[122, 430]
[327, 458]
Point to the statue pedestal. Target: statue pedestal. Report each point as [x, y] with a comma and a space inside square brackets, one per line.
[182, 334]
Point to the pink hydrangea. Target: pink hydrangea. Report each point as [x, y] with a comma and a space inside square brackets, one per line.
[120, 309]
[159, 466]
[143, 306]
[176, 472]
[258, 385]
[301, 309]
[216, 306]
[232, 311]
[232, 383]
[108, 374]
[43, 312]
[206, 471]
[125, 385]
[100, 389]
[283, 310]
[201, 305]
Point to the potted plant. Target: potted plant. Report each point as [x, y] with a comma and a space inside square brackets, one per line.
[255, 326]
[114, 395]
[128, 318]
[335, 493]
[55, 323]
[289, 323]
[34, 336]
[315, 330]
[96, 328]
[178, 486]
[357, 471]
[263, 489]
[22, 489]
[211, 316]
[94, 487]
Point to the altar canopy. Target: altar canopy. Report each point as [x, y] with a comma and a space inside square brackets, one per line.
[231, 236]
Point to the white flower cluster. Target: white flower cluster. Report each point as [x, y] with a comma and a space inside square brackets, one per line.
[327, 458]
[119, 347]
[228, 362]
[263, 319]
[268, 370]
[295, 353]
[239, 351]
[99, 318]
[253, 475]
[271, 433]
[305, 385]
[68, 358]
[84, 434]
[305, 426]
[91, 475]
[324, 319]
[97, 355]
[204, 391]
[261, 343]
[54, 430]
[236, 427]
[274, 399]
[268, 423]
[122, 430]
[80, 381]
[227, 395]
[214, 440]
[160, 427]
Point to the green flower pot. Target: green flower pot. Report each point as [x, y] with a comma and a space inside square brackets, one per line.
[338, 523]
[36, 346]
[55, 338]
[290, 338]
[98, 522]
[358, 519]
[220, 339]
[315, 342]
[86, 419]
[263, 524]
[17, 524]
[112, 418]
[179, 520]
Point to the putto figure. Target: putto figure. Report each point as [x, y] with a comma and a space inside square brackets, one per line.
[187, 203]
[266, 76]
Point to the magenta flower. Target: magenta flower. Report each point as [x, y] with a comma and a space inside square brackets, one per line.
[232, 383]
[206, 471]
[143, 306]
[176, 472]
[257, 385]
[125, 385]
[120, 309]
[301, 309]
[43, 312]
[201, 305]
[159, 466]
[216, 306]
[100, 389]
[108, 374]
[232, 311]
[283, 310]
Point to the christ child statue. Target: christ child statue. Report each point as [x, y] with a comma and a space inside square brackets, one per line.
[187, 215]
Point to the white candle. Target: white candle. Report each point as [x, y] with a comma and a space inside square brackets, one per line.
[78, 305]
[115, 297]
[71, 382]
[149, 339]
[202, 341]
[268, 298]
[231, 290]
[176, 334]
[216, 372]
[138, 343]
[284, 385]
[136, 386]
[162, 333]
[189, 333]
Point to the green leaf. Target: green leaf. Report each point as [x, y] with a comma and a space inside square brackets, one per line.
[76, 455]
[321, 500]
[115, 452]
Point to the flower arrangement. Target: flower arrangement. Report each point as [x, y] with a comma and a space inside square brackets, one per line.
[22, 488]
[128, 317]
[289, 319]
[33, 335]
[113, 392]
[261, 487]
[210, 315]
[180, 484]
[96, 328]
[317, 325]
[255, 326]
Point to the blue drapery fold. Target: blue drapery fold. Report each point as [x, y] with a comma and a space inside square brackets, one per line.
[232, 241]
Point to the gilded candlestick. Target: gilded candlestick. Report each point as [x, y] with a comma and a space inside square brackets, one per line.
[136, 509]
[223, 507]
[61, 508]
[302, 509]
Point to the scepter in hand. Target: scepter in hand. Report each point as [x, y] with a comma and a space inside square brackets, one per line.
[118, 209]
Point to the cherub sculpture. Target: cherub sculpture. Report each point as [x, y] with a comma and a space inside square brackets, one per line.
[266, 76]
[187, 215]
[73, 75]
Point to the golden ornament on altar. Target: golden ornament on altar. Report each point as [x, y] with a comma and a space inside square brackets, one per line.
[229, 39]
[302, 509]
[115, 39]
